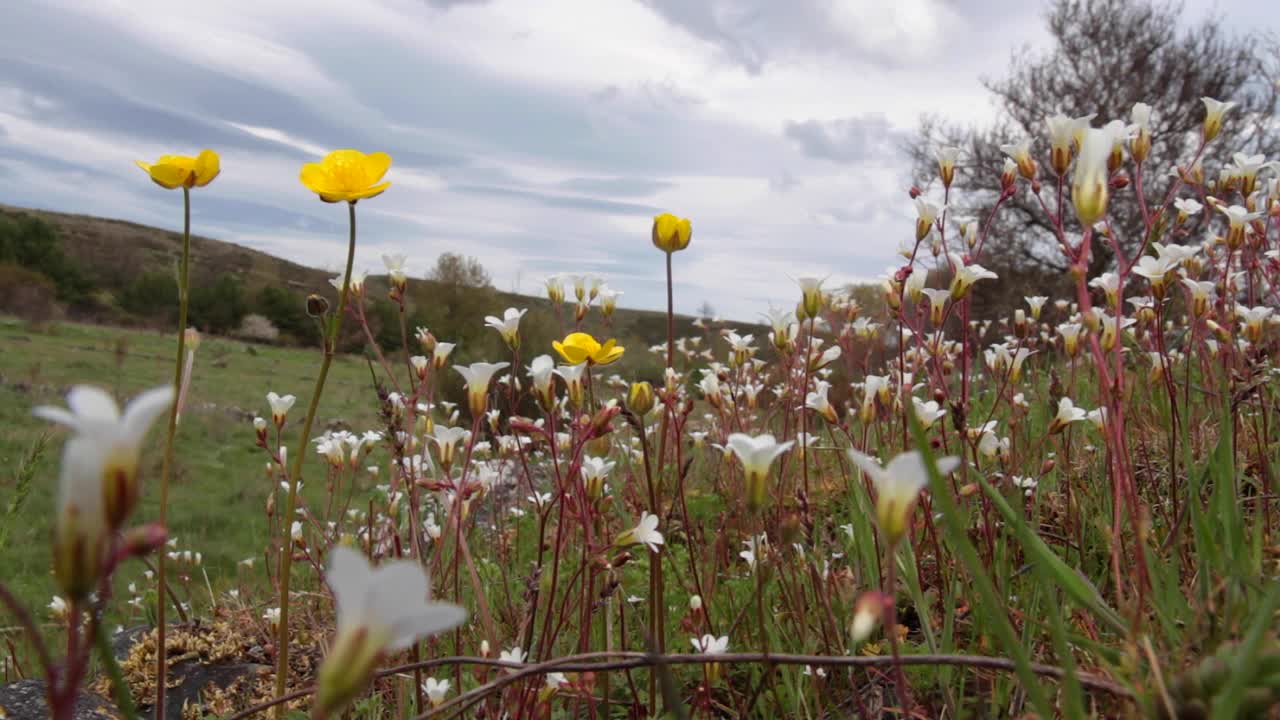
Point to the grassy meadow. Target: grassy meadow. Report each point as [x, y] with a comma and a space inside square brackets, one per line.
[218, 496]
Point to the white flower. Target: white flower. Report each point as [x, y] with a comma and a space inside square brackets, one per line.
[508, 326]
[755, 546]
[1067, 414]
[811, 294]
[1254, 319]
[540, 371]
[966, 275]
[644, 533]
[1213, 112]
[595, 471]
[272, 615]
[1089, 183]
[98, 480]
[357, 281]
[926, 215]
[514, 655]
[927, 412]
[295, 531]
[478, 375]
[1187, 206]
[710, 644]
[898, 486]
[280, 406]
[380, 610]
[609, 300]
[573, 376]
[756, 455]
[818, 402]
[435, 690]
[446, 440]
[555, 680]
[395, 268]
[58, 608]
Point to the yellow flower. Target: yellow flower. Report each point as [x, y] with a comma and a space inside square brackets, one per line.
[580, 347]
[671, 233]
[174, 171]
[347, 175]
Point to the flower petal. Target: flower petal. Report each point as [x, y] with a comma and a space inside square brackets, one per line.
[92, 403]
[144, 409]
[207, 167]
[375, 166]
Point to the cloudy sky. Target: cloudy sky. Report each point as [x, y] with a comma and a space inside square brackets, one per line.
[538, 135]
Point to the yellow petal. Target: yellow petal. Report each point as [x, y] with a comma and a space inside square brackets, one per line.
[369, 192]
[314, 177]
[684, 230]
[169, 176]
[664, 226]
[572, 355]
[612, 355]
[375, 166]
[582, 340]
[207, 167]
[146, 166]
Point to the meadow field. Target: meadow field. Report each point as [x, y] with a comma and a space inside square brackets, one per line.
[903, 499]
[220, 488]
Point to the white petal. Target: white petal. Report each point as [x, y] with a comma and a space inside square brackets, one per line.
[432, 619]
[92, 403]
[144, 409]
[349, 577]
[55, 414]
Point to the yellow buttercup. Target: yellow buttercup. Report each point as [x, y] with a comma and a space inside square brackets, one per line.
[175, 171]
[347, 175]
[580, 347]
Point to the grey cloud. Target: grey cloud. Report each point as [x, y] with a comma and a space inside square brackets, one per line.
[248, 214]
[559, 201]
[753, 33]
[845, 140]
[615, 186]
[783, 182]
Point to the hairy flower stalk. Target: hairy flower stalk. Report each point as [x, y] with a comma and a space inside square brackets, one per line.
[170, 172]
[342, 175]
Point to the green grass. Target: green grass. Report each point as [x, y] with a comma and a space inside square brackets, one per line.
[219, 490]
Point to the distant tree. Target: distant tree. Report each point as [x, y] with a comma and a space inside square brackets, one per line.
[152, 295]
[1106, 55]
[457, 270]
[218, 308]
[706, 310]
[34, 244]
[287, 310]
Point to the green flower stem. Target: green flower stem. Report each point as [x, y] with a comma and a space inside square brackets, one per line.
[166, 467]
[295, 472]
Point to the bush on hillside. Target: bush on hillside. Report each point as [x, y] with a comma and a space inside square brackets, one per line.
[28, 294]
[257, 328]
[32, 243]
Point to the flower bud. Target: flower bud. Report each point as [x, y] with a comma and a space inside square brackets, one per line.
[640, 399]
[671, 233]
[317, 306]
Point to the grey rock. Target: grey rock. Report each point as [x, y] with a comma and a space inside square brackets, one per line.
[25, 700]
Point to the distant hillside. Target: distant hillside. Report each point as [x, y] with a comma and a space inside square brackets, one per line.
[114, 252]
[117, 255]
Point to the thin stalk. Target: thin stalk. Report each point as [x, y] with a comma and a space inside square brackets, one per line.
[295, 473]
[166, 467]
